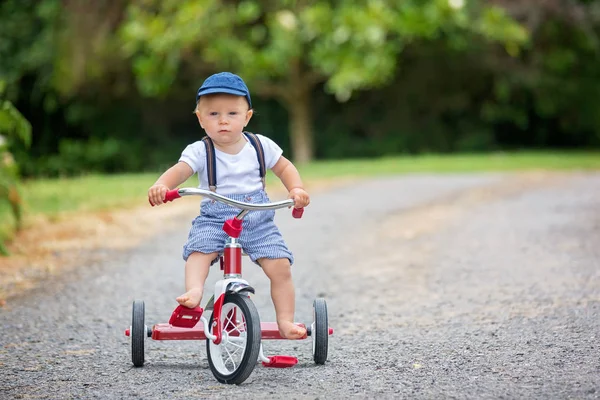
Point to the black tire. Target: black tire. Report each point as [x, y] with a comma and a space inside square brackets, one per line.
[320, 331]
[249, 359]
[138, 333]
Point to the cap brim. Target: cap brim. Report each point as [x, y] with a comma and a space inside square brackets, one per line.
[220, 90]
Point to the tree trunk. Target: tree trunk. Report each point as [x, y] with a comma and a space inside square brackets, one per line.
[300, 124]
[296, 95]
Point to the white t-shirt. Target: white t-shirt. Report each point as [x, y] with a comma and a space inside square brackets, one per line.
[236, 173]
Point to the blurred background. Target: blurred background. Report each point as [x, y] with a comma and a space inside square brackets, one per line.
[106, 87]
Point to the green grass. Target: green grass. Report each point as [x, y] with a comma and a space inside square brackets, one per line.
[88, 193]
[471, 163]
[52, 197]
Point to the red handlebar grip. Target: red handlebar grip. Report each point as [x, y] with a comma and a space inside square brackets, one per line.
[297, 212]
[172, 195]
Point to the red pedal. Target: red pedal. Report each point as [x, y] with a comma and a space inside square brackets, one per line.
[281, 362]
[184, 317]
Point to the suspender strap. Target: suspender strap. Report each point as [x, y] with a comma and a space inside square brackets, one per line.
[211, 165]
[260, 154]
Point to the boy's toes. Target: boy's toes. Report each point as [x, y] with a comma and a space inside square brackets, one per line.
[190, 299]
[187, 302]
[292, 331]
[298, 333]
[183, 300]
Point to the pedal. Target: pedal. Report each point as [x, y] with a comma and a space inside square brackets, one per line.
[280, 362]
[184, 317]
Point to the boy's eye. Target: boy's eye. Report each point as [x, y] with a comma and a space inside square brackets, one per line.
[233, 113]
[213, 113]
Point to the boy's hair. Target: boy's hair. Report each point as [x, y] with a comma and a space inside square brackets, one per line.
[224, 82]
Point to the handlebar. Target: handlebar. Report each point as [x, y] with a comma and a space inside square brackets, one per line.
[177, 193]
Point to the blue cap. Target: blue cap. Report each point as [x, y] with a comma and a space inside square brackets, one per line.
[224, 82]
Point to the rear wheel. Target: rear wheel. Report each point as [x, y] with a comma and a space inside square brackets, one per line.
[233, 360]
[138, 333]
[320, 331]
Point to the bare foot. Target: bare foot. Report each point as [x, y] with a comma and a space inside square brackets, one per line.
[191, 298]
[289, 330]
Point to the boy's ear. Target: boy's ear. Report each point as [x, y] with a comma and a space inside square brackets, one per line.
[249, 116]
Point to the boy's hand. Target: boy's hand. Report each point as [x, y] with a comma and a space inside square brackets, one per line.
[157, 193]
[300, 196]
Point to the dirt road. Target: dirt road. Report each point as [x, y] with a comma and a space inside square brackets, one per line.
[447, 286]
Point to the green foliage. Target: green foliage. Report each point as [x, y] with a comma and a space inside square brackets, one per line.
[349, 45]
[27, 44]
[12, 123]
[76, 157]
[13, 127]
[495, 24]
[553, 88]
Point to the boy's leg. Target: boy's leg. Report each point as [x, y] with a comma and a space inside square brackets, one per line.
[283, 295]
[196, 271]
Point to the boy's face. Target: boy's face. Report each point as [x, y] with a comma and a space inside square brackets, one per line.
[223, 116]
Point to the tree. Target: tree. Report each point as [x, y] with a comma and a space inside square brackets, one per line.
[285, 49]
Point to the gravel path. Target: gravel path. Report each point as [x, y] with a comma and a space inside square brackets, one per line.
[449, 286]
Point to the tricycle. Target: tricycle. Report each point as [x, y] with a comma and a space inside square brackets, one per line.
[229, 322]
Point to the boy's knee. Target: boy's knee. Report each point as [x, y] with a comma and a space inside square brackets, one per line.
[277, 269]
[197, 258]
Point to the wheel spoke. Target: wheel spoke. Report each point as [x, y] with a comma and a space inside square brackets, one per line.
[229, 320]
[236, 340]
[230, 358]
[241, 325]
[237, 347]
[236, 326]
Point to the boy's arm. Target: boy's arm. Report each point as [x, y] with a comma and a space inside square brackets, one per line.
[170, 179]
[290, 177]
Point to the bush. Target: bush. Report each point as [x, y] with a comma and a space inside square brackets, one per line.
[13, 127]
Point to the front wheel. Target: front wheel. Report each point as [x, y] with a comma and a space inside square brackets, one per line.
[233, 360]
[320, 331]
